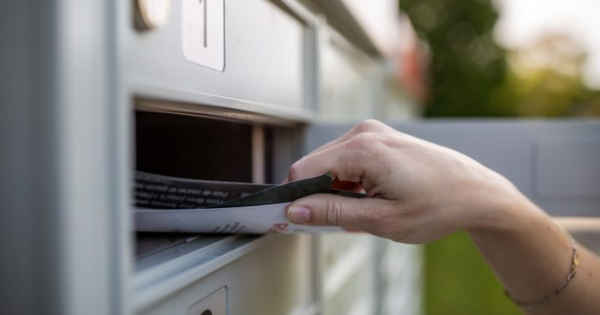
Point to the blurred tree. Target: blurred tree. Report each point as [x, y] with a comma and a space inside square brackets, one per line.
[546, 79]
[467, 66]
[589, 106]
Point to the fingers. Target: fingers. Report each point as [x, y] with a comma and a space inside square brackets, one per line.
[349, 213]
[370, 125]
[359, 159]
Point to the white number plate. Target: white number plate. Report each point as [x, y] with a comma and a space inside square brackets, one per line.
[203, 32]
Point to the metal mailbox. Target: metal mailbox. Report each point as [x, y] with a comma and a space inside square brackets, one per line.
[92, 94]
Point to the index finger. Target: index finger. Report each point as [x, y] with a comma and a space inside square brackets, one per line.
[370, 125]
[355, 160]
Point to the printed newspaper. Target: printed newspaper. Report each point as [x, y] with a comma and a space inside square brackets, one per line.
[171, 204]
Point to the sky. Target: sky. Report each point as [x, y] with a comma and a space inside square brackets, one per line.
[522, 21]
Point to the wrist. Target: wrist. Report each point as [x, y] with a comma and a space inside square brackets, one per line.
[528, 252]
[504, 213]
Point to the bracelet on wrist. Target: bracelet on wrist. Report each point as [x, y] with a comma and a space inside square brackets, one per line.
[556, 292]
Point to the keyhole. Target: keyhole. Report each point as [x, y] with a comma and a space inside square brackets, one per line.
[204, 4]
[207, 312]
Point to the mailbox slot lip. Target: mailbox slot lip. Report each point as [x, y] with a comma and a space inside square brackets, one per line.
[223, 108]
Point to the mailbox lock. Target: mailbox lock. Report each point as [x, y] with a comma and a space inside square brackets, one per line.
[151, 14]
[213, 304]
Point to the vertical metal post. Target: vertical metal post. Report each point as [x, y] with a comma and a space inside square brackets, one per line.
[64, 162]
[258, 154]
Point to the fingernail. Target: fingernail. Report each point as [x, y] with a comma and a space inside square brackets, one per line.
[299, 214]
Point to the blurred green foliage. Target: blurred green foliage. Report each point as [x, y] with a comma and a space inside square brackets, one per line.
[459, 282]
[546, 92]
[467, 66]
[470, 75]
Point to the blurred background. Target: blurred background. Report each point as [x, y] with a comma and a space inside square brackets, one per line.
[485, 59]
[505, 58]
[515, 58]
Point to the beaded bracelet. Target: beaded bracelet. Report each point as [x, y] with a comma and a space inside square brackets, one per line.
[546, 298]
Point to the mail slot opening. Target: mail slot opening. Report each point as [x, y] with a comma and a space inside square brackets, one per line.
[192, 147]
[197, 148]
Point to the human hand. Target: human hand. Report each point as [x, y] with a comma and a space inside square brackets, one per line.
[418, 191]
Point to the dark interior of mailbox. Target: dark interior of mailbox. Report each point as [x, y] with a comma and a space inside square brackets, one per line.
[195, 148]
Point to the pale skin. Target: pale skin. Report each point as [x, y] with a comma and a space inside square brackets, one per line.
[420, 192]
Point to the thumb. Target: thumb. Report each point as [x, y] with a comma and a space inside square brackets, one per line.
[329, 209]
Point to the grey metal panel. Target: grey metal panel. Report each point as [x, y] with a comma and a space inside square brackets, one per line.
[571, 206]
[286, 150]
[311, 67]
[264, 59]
[400, 278]
[354, 96]
[561, 173]
[553, 162]
[272, 278]
[357, 292]
[319, 134]
[64, 165]
[339, 17]
[20, 162]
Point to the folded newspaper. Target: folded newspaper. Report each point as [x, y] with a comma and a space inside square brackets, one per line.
[172, 204]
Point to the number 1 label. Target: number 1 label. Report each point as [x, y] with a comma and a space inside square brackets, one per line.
[203, 32]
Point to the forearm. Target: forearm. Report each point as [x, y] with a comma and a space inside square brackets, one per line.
[531, 255]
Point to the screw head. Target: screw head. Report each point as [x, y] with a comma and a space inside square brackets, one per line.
[152, 14]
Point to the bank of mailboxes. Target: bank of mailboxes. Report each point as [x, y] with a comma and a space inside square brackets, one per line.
[232, 90]
[228, 90]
